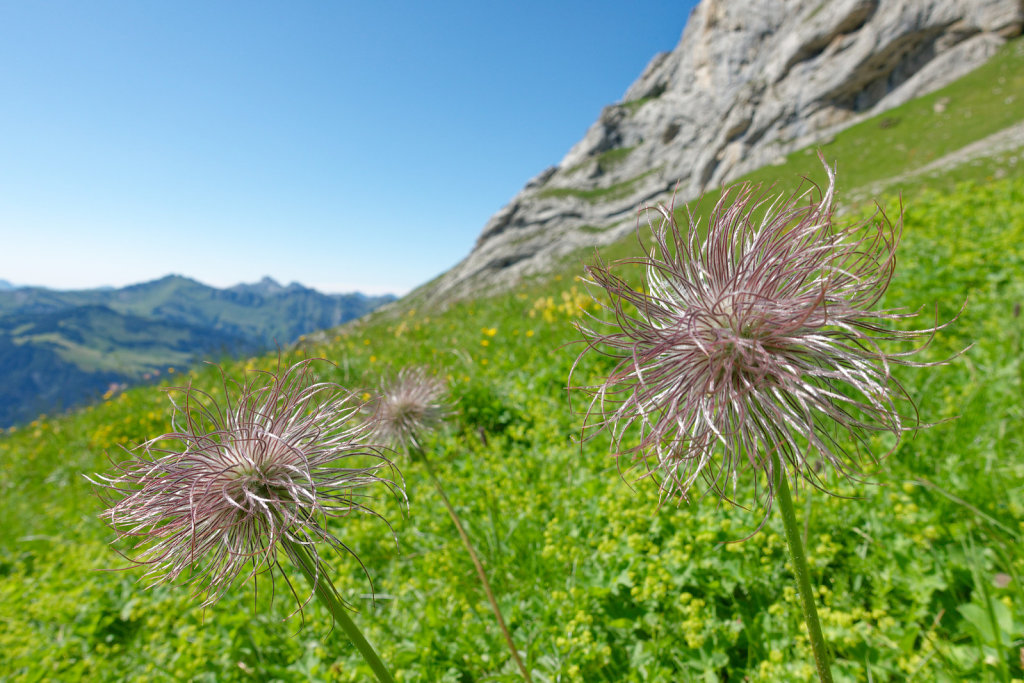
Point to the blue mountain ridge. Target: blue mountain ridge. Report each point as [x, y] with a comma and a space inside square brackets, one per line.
[59, 349]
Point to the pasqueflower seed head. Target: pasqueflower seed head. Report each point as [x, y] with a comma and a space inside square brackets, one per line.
[410, 402]
[754, 339]
[272, 460]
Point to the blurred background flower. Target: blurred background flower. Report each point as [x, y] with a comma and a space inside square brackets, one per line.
[410, 402]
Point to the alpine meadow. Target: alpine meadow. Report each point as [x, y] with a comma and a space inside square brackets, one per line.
[596, 573]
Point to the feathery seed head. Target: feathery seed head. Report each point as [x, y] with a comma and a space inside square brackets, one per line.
[410, 402]
[265, 464]
[754, 338]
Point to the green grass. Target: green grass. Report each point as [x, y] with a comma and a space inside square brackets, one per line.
[920, 573]
[633, 105]
[106, 343]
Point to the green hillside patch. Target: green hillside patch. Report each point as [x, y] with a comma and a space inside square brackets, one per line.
[65, 348]
[60, 358]
[606, 160]
[599, 194]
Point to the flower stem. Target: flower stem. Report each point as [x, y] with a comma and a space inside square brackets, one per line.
[479, 566]
[328, 594]
[803, 576]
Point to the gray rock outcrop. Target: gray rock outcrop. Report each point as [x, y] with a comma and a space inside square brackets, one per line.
[748, 83]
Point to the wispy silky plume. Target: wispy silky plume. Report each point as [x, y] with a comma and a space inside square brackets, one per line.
[410, 404]
[266, 468]
[754, 337]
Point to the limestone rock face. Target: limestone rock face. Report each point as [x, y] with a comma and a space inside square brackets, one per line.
[748, 82]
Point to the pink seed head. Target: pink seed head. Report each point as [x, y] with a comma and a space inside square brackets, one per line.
[753, 338]
[276, 457]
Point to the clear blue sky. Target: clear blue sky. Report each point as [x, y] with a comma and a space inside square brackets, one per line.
[343, 145]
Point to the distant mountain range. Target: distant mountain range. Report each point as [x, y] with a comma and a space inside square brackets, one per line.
[59, 349]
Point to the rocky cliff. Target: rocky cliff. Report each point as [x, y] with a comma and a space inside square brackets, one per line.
[748, 82]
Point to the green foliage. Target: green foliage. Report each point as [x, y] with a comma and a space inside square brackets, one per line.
[920, 573]
[632, 106]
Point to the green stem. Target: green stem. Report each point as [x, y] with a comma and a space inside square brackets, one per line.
[803, 575]
[997, 632]
[328, 594]
[476, 562]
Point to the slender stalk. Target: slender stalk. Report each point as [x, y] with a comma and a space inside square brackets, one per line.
[328, 594]
[476, 562]
[997, 632]
[803, 575]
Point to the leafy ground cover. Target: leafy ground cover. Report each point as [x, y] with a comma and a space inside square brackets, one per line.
[920, 572]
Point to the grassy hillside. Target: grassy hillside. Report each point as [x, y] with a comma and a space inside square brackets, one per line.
[921, 573]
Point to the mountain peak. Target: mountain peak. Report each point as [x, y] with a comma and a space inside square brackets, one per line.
[269, 283]
[267, 286]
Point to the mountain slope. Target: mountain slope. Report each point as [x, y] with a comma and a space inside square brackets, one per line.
[745, 86]
[265, 312]
[60, 348]
[55, 360]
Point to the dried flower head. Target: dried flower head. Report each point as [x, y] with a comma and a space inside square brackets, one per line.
[410, 402]
[754, 340]
[261, 467]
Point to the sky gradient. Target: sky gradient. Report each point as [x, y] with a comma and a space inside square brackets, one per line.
[347, 146]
